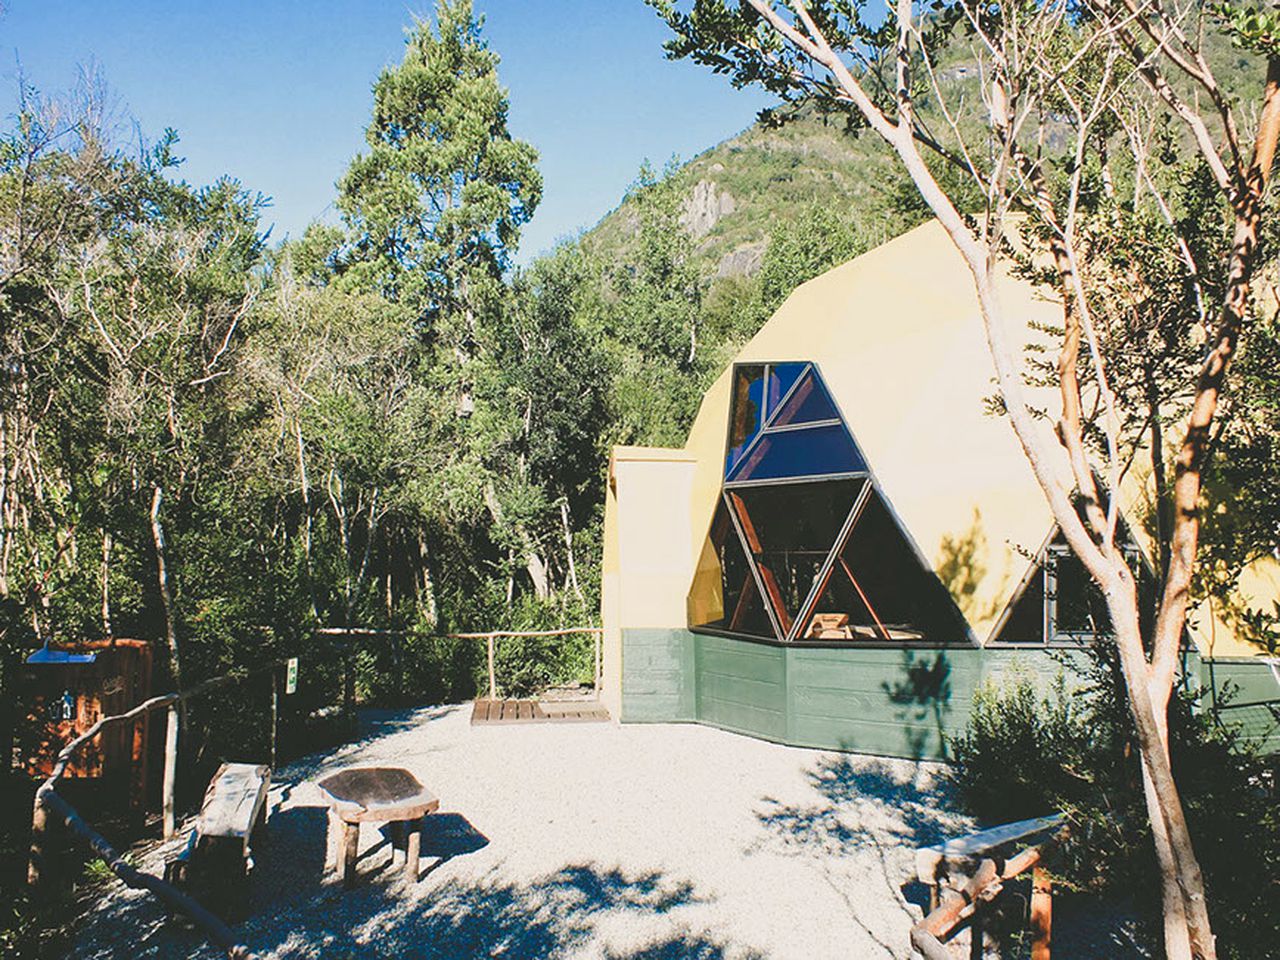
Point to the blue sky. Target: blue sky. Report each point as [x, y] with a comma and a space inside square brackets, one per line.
[277, 92]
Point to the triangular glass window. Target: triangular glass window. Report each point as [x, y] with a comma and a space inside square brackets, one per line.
[1060, 603]
[744, 612]
[802, 433]
[808, 403]
[782, 377]
[810, 452]
[1026, 621]
[789, 531]
[878, 588]
[807, 546]
[746, 411]
[758, 390]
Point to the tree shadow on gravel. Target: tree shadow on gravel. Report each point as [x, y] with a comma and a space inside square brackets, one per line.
[865, 803]
[488, 918]
[457, 920]
[860, 835]
[682, 946]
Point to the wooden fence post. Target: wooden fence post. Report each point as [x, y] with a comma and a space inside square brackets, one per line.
[40, 858]
[595, 677]
[493, 684]
[275, 714]
[170, 768]
[1041, 913]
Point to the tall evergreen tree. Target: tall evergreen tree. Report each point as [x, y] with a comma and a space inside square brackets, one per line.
[437, 203]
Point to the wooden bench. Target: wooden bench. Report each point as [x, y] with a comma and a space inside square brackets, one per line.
[218, 855]
[972, 869]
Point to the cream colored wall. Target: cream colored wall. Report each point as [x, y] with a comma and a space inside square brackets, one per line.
[1258, 588]
[648, 559]
[610, 612]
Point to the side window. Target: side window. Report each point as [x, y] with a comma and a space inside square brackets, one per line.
[1076, 608]
[1060, 603]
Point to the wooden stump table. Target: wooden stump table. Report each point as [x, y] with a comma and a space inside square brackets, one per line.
[376, 795]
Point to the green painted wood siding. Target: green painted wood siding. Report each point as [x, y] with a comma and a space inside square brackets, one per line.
[890, 702]
[1252, 701]
[658, 675]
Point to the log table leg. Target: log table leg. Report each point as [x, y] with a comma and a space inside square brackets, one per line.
[399, 831]
[350, 846]
[334, 844]
[977, 940]
[415, 848]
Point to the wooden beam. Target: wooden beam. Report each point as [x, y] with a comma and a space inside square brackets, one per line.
[275, 715]
[499, 634]
[929, 860]
[493, 683]
[213, 928]
[598, 676]
[866, 602]
[368, 632]
[741, 606]
[773, 595]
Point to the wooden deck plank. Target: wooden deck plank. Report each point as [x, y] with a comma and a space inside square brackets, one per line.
[485, 711]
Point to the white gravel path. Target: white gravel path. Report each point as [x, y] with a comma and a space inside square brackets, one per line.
[584, 841]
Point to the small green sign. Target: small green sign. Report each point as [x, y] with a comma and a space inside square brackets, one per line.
[291, 676]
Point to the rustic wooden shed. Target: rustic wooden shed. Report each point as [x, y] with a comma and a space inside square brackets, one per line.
[68, 689]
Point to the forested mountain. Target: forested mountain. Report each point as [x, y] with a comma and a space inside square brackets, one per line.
[739, 192]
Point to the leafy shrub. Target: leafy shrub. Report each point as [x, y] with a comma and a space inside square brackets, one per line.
[1020, 754]
[1028, 752]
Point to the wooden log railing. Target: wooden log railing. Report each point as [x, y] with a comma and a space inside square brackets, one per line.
[493, 636]
[951, 905]
[49, 809]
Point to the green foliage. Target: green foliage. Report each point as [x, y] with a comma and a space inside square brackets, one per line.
[1017, 756]
[818, 239]
[1250, 27]
[1030, 751]
[442, 194]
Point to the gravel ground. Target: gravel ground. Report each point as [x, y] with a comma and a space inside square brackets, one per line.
[584, 841]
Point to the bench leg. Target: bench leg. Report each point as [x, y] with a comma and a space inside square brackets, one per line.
[350, 846]
[415, 848]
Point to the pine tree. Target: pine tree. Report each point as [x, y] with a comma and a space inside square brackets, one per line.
[436, 205]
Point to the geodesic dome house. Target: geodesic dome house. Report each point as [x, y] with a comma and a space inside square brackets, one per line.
[851, 541]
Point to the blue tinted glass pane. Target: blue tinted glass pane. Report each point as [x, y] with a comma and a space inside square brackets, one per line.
[809, 452]
[809, 403]
[746, 411]
[782, 376]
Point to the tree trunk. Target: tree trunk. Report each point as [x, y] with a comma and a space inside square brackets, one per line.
[568, 546]
[305, 485]
[107, 630]
[166, 599]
